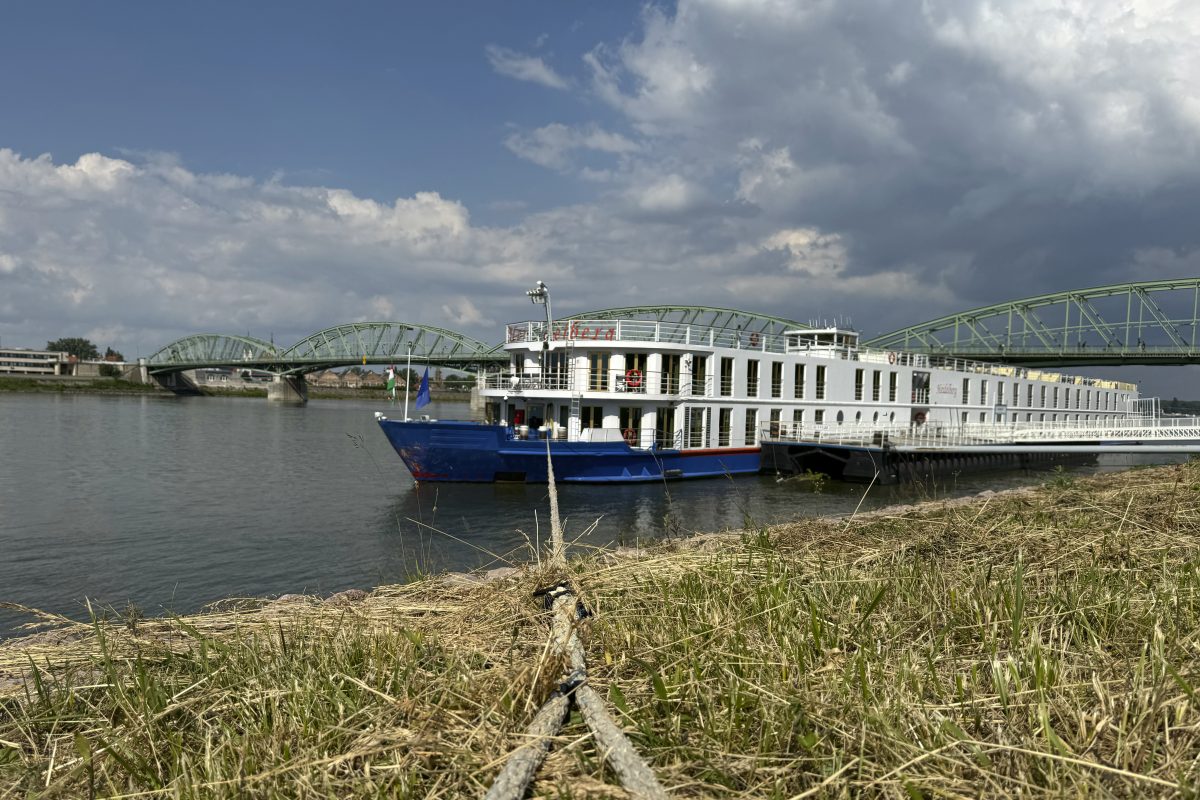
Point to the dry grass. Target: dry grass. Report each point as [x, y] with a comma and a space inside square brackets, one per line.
[1042, 643]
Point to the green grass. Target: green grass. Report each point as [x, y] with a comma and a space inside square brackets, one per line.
[76, 386]
[1042, 643]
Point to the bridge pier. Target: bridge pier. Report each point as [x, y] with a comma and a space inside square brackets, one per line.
[288, 389]
[177, 382]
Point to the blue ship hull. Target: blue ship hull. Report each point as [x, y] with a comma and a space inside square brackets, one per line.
[475, 452]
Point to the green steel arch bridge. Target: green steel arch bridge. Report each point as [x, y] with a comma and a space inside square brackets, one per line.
[1150, 322]
[378, 343]
[342, 345]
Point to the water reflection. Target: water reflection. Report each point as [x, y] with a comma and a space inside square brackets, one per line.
[172, 504]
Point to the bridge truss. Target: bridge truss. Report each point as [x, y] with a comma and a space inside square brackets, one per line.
[1150, 322]
[341, 345]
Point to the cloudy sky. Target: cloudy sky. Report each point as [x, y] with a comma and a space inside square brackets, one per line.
[276, 169]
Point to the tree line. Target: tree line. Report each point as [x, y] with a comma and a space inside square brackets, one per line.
[83, 349]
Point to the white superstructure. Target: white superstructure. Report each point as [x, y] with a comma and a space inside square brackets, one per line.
[700, 386]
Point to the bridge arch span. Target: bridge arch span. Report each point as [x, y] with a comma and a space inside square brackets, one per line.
[212, 349]
[1147, 322]
[378, 342]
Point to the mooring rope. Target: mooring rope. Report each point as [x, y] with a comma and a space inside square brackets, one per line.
[566, 611]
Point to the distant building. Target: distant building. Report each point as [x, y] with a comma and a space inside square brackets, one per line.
[19, 361]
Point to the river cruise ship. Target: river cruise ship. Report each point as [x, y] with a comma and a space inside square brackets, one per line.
[635, 398]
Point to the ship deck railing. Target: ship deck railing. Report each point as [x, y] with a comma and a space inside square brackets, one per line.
[650, 382]
[934, 435]
[635, 331]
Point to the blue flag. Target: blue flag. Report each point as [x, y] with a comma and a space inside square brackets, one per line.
[423, 392]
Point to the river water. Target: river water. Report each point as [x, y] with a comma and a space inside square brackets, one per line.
[174, 503]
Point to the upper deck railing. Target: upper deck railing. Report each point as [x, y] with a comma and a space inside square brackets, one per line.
[699, 335]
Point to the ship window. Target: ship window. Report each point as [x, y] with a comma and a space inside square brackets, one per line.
[819, 416]
[1029, 395]
[892, 417]
[1042, 403]
[892, 387]
[1055, 404]
[821, 383]
[964, 418]
[840, 417]
[670, 374]
[724, 419]
[1000, 392]
[598, 371]
[798, 389]
[875, 417]
[876, 385]
[752, 378]
[983, 416]
[983, 393]
[798, 415]
[556, 370]
[966, 391]
[664, 427]
[697, 426]
[858, 416]
[629, 418]
[751, 432]
[591, 417]
[726, 377]
[920, 387]
[634, 361]
[858, 383]
[699, 376]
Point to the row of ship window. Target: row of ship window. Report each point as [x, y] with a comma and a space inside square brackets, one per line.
[637, 379]
[696, 422]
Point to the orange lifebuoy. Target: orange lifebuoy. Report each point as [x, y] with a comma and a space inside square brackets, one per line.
[629, 435]
[891, 358]
[754, 340]
[919, 418]
[633, 378]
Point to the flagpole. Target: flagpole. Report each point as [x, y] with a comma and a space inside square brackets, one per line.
[407, 381]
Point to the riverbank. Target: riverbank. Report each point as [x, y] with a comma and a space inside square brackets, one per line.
[117, 386]
[1037, 642]
[64, 384]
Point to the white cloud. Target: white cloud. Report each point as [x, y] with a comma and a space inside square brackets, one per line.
[670, 195]
[816, 254]
[553, 146]
[522, 67]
